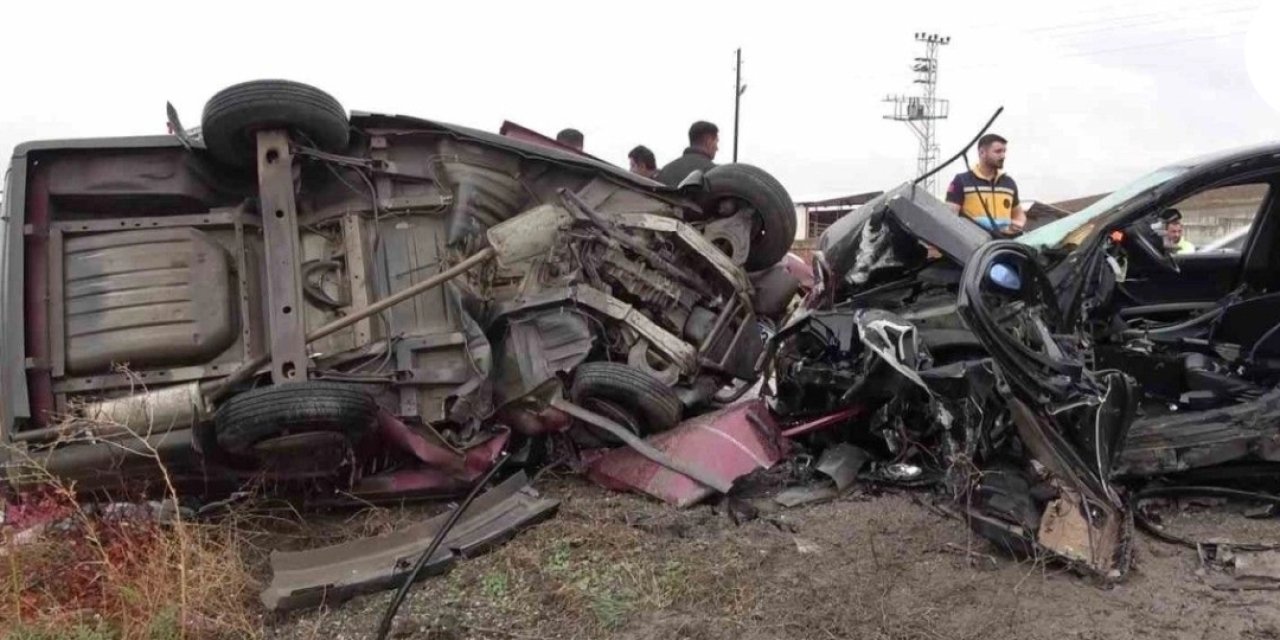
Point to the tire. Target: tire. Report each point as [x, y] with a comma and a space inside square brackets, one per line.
[251, 417]
[655, 405]
[774, 208]
[235, 114]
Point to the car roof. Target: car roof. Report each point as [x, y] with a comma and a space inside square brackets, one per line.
[1227, 156]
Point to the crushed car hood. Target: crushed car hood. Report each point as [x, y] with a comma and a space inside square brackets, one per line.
[881, 240]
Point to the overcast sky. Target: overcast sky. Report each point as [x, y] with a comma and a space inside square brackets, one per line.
[1095, 92]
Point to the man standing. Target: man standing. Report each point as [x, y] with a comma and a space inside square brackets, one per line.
[1174, 240]
[572, 138]
[704, 141]
[642, 162]
[986, 194]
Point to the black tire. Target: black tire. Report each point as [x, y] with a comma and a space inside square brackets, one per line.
[235, 114]
[772, 203]
[655, 405]
[253, 416]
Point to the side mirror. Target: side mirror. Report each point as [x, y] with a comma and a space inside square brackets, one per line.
[1005, 276]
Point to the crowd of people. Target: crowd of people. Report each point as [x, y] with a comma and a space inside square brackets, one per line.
[700, 155]
[984, 192]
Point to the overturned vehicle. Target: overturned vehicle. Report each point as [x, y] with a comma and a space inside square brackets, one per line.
[375, 303]
[1051, 383]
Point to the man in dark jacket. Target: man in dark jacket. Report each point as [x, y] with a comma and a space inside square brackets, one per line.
[571, 137]
[704, 141]
[642, 162]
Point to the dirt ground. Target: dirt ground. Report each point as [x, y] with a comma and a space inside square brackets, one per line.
[620, 566]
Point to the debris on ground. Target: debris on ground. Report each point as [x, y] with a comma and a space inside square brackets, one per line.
[331, 575]
[404, 303]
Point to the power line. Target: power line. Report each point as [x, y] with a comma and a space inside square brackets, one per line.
[1167, 27]
[1155, 9]
[1139, 19]
[1096, 52]
[1155, 45]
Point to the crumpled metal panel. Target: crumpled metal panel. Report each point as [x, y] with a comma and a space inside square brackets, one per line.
[485, 197]
[882, 239]
[727, 444]
[862, 249]
[539, 346]
[446, 466]
[894, 340]
[335, 573]
[1193, 440]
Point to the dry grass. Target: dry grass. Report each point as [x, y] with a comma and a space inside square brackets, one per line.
[613, 565]
[73, 569]
[592, 571]
[92, 576]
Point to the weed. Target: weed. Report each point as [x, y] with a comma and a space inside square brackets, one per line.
[494, 585]
[610, 608]
[73, 632]
[72, 569]
[558, 559]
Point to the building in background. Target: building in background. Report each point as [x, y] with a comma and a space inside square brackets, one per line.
[1206, 216]
[813, 217]
[1077, 204]
[1042, 213]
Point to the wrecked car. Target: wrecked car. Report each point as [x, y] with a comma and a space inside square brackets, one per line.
[378, 303]
[1043, 382]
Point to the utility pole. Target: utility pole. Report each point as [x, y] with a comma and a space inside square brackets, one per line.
[922, 112]
[738, 90]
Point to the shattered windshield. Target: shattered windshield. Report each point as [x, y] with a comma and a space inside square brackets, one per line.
[1075, 227]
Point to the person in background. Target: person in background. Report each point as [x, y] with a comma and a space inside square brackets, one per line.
[986, 194]
[572, 138]
[1174, 239]
[642, 162]
[704, 142]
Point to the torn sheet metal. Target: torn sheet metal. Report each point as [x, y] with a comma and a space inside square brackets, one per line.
[862, 249]
[537, 347]
[800, 496]
[336, 573]
[842, 463]
[832, 360]
[925, 217]
[882, 239]
[1168, 444]
[445, 469]
[1087, 501]
[1067, 530]
[895, 341]
[728, 444]
[1257, 568]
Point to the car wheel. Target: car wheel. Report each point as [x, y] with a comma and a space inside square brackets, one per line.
[655, 406]
[730, 186]
[234, 115]
[246, 419]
